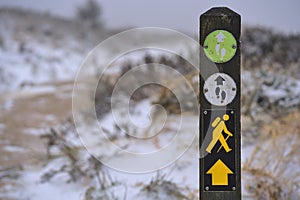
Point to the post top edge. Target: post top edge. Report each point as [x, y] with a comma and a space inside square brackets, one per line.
[220, 11]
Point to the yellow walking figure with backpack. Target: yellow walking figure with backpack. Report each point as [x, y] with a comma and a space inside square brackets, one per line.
[217, 134]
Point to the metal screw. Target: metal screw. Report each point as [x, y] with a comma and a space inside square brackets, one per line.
[206, 188]
[233, 188]
[205, 112]
[232, 112]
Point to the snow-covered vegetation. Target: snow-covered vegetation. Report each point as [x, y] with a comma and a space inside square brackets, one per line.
[42, 156]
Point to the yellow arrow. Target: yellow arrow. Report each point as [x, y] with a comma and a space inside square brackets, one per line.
[219, 172]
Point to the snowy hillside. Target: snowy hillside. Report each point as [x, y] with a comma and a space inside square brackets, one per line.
[42, 156]
[36, 48]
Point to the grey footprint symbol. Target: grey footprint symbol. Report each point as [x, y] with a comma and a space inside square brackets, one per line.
[223, 94]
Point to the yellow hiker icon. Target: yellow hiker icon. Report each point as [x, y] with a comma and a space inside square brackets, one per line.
[217, 134]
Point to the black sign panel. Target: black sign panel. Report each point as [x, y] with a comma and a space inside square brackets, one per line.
[220, 170]
[219, 150]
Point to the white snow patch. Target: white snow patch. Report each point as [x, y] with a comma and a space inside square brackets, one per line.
[12, 148]
[34, 131]
[274, 94]
[57, 189]
[8, 104]
[39, 89]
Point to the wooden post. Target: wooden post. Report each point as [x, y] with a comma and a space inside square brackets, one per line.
[220, 92]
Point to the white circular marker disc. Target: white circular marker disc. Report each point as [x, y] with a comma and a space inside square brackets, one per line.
[219, 89]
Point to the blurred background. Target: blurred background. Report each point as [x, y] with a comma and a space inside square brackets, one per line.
[281, 16]
[42, 45]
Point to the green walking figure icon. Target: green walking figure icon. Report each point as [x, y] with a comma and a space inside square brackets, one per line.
[217, 134]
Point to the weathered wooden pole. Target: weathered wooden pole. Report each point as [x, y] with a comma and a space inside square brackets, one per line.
[220, 92]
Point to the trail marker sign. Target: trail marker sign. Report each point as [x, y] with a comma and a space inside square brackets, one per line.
[220, 46]
[219, 89]
[219, 172]
[219, 163]
[220, 92]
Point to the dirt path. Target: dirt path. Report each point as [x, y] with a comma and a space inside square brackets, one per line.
[26, 115]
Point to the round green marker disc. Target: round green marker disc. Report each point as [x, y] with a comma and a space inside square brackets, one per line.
[220, 46]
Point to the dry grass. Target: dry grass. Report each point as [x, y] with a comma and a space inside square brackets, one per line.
[285, 125]
[272, 171]
[162, 188]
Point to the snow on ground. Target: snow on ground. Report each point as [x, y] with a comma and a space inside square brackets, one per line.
[35, 66]
[11, 148]
[56, 189]
[183, 172]
[29, 61]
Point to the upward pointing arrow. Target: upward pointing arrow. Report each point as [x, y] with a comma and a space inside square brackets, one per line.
[220, 80]
[220, 37]
[219, 172]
